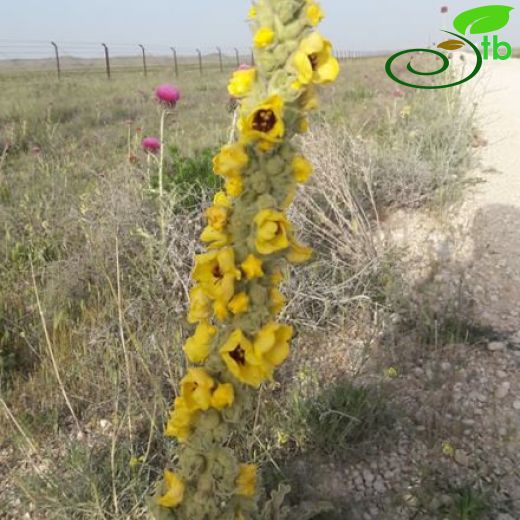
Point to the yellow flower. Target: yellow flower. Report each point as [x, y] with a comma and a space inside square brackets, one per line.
[180, 420]
[217, 216]
[234, 186]
[391, 372]
[271, 345]
[264, 123]
[174, 490]
[223, 396]
[314, 13]
[252, 267]
[239, 303]
[302, 169]
[196, 388]
[298, 253]
[246, 480]
[314, 62]
[215, 238]
[277, 300]
[308, 100]
[448, 449]
[271, 231]
[197, 348]
[252, 13]
[241, 82]
[216, 273]
[200, 308]
[238, 355]
[277, 277]
[231, 160]
[220, 309]
[221, 199]
[263, 37]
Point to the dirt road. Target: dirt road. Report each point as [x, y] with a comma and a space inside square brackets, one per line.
[492, 212]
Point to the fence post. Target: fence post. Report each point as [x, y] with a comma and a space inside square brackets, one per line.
[237, 54]
[252, 58]
[221, 66]
[107, 60]
[175, 62]
[57, 54]
[144, 60]
[200, 60]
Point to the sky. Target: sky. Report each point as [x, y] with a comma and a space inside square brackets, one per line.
[79, 26]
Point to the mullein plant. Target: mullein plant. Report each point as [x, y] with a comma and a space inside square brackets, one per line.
[238, 342]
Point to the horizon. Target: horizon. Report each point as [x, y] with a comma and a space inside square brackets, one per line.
[80, 29]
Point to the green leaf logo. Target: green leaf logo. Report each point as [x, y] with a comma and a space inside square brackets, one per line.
[485, 19]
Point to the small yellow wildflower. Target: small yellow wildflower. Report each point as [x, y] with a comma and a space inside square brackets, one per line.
[221, 199]
[217, 216]
[271, 346]
[234, 186]
[200, 305]
[276, 300]
[215, 238]
[196, 388]
[302, 169]
[241, 82]
[448, 449]
[239, 303]
[314, 61]
[231, 160]
[391, 372]
[220, 309]
[216, 273]
[263, 37]
[252, 12]
[314, 13]
[180, 421]
[264, 123]
[174, 490]
[223, 396]
[246, 480]
[252, 267]
[197, 348]
[298, 253]
[238, 355]
[272, 228]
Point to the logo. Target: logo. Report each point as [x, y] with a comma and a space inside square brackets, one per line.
[481, 20]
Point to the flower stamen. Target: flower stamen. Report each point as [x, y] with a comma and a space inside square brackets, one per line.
[264, 121]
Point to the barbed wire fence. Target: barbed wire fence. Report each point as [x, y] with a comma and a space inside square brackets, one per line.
[68, 58]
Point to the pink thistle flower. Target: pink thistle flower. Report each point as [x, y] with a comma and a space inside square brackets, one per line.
[244, 66]
[151, 144]
[167, 94]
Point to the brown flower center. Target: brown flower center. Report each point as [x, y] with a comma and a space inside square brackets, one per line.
[238, 355]
[313, 58]
[217, 272]
[264, 120]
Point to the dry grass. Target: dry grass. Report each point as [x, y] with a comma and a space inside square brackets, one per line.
[93, 302]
